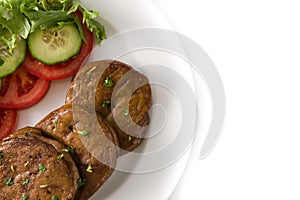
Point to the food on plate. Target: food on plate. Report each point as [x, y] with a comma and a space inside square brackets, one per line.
[54, 31]
[10, 60]
[22, 89]
[73, 151]
[14, 29]
[95, 168]
[122, 98]
[32, 168]
[8, 120]
[64, 69]
[55, 45]
[60, 36]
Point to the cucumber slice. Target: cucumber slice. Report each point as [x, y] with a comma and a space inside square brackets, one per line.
[55, 45]
[10, 62]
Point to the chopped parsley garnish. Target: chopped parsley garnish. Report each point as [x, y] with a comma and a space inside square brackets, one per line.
[69, 150]
[43, 186]
[12, 168]
[9, 182]
[108, 82]
[41, 168]
[105, 103]
[25, 197]
[26, 181]
[55, 123]
[89, 73]
[126, 112]
[80, 182]
[54, 198]
[1, 154]
[84, 133]
[60, 156]
[26, 164]
[89, 169]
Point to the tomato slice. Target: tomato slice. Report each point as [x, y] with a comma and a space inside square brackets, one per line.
[22, 89]
[64, 69]
[8, 119]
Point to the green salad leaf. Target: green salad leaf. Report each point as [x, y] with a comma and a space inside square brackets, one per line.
[89, 18]
[41, 20]
[44, 14]
[13, 23]
[21, 17]
[12, 18]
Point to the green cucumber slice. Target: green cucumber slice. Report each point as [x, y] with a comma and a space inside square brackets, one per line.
[55, 45]
[9, 62]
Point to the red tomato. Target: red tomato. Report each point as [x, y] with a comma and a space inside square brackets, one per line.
[64, 69]
[22, 89]
[8, 120]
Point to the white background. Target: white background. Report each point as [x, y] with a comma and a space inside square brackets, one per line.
[256, 47]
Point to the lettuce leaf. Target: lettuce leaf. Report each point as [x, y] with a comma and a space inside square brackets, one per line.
[21, 17]
[12, 20]
[89, 18]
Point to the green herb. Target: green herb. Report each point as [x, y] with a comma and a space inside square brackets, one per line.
[108, 82]
[9, 182]
[126, 112]
[89, 169]
[41, 168]
[60, 156]
[0, 162]
[26, 134]
[105, 103]
[84, 133]
[129, 139]
[80, 182]
[69, 149]
[54, 198]
[25, 197]
[26, 181]
[89, 73]
[1, 154]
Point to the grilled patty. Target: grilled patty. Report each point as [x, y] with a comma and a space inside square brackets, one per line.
[91, 139]
[32, 167]
[119, 94]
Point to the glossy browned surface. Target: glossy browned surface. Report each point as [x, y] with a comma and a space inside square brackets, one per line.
[22, 153]
[93, 150]
[130, 90]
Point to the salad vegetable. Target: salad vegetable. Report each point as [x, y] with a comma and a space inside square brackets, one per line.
[22, 89]
[60, 36]
[7, 123]
[63, 69]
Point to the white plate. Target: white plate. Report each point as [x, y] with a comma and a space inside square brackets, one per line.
[120, 16]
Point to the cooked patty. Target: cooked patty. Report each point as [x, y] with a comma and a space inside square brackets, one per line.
[32, 168]
[122, 96]
[91, 140]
